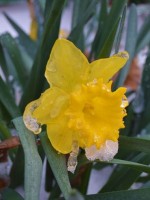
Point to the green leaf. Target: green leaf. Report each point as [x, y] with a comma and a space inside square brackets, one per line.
[124, 176]
[110, 26]
[33, 162]
[145, 100]
[134, 165]
[143, 38]
[9, 194]
[78, 29]
[120, 31]
[102, 18]
[17, 169]
[50, 34]
[131, 164]
[58, 165]
[107, 46]
[24, 39]
[134, 144]
[131, 38]
[75, 195]
[8, 101]
[141, 194]
[4, 130]
[3, 63]
[13, 51]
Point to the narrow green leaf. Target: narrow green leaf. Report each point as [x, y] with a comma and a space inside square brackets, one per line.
[58, 165]
[9, 194]
[134, 144]
[4, 130]
[75, 195]
[50, 34]
[17, 169]
[12, 49]
[134, 165]
[145, 84]
[131, 38]
[33, 162]
[110, 23]
[124, 176]
[107, 45]
[102, 17]
[8, 101]
[131, 164]
[24, 39]
[143, 38]
[121, 26]
[141, 194]
[3, 63]
[78, 29]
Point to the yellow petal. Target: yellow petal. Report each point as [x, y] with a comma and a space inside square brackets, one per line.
[52, 104]
[107, 67]
[67, 65]
[60, 136]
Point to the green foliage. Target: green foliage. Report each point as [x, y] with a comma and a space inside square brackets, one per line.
[23, 63]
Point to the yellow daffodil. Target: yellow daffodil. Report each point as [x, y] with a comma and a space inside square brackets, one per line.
[79, 108]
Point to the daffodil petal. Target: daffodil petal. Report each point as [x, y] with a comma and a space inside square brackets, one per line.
[67, 66]
[52, 104]
[107, 67]
[60, 136]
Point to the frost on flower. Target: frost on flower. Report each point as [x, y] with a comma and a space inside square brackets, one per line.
[79, 108]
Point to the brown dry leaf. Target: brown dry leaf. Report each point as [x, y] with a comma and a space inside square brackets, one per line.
[10, 143]
[134, 76]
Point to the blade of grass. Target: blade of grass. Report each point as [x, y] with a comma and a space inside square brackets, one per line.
[78, 29]
[75, 195]
[145, 84]
[58, 165]
[143, 38]
[134, 144]
[131, 164]
[120, 31]
[123, 177]
[8, 194]
[13, 51]
[24, 39]
[8, 101]
[142, 194]
[111, 21]
[33, 162]
[131, 38]
[3, 63]
[107, 46]
[102, 17]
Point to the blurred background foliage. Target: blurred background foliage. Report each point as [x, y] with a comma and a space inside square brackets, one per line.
[97, 29]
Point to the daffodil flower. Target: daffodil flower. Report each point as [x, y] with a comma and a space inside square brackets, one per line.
[79, 108]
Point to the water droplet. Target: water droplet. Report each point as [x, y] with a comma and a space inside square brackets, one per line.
[124, 102]
[92, 83]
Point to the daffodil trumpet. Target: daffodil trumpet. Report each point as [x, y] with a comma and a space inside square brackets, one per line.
[79, 109]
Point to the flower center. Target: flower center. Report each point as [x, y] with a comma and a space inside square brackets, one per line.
[95, 114]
